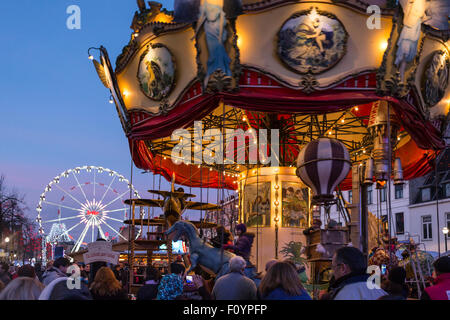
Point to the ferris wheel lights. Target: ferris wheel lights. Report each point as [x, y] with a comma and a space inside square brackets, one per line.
[356, 108]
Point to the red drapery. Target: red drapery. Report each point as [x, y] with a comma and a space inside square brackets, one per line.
[415, 155]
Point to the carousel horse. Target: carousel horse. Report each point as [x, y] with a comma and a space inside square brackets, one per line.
[203, 254]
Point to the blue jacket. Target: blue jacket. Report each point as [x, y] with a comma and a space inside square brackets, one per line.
[280, 294]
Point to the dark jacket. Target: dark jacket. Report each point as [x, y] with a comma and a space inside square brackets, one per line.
[280, 294]
[234, 286]
[243, 245]
[440, 290]
[119, 295]
[62, 292]
[148, 292]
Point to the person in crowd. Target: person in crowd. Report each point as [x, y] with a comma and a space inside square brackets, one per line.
[223, 237]
[440, 290]
[177, 268]
[269, 264]
[396, 285]
[13, 272]
[195, 288]
[315, 226]
[149, 290]
[118, 272]
[170, 287]
[5, 277]
[58, 270]
[349, 267]
[2, 286]
[235, 285]
[38, 270]
[243, 245]
[282, 282]
[27, 271]
[106, 286]
[22, 288]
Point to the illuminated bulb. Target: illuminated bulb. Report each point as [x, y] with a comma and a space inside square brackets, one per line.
[383, 45]
[356, 108]
[136, 34]
[111, 101]
[210, 169]
[364, 151]
[276, 203]
[125, 93]
[343, 120]
[198, 166]
[398, 138]
[276, 187]
[244, 118]
[91, 57]
[165, 158]
[329, 133]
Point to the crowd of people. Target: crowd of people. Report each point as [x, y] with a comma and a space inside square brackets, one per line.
[281, 280]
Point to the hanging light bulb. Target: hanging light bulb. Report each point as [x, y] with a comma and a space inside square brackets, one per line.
[91, 57]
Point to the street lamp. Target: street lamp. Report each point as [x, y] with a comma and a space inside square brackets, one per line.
[7, 239]
[445, 232]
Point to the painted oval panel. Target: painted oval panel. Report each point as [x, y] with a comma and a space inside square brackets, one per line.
[156, 73]
[435, 78]
[312, 41]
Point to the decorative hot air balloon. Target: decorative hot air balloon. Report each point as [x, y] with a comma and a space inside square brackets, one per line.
[322, 164]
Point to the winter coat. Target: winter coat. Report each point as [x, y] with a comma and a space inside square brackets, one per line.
[118, 295]
[234, 286]
[354, 287]
[280, 294]
[148, 292]
[58, 290]
[5, 278]
[52, 274]
[440, 290]
[243, 245]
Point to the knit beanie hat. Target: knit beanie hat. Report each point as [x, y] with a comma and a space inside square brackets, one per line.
[241, 227]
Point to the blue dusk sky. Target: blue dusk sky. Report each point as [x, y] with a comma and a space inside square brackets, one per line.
[55, 113]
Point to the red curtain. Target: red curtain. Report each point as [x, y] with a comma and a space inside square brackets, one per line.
[416, 155]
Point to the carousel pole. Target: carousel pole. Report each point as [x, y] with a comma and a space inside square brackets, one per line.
[389, 154]
[130, 238]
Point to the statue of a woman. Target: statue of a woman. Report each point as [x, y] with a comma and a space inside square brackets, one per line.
[212, 19]
[415, 12]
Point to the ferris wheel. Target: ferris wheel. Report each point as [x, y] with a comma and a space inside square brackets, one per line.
[83, 204]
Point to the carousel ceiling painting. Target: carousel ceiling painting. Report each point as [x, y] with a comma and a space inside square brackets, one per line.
[309, 69]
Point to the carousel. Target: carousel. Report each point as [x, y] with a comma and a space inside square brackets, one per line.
[328, 96]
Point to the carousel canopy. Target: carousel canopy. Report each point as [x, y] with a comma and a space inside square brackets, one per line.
[312, 72]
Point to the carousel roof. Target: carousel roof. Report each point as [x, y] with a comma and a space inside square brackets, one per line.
[267, 90]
